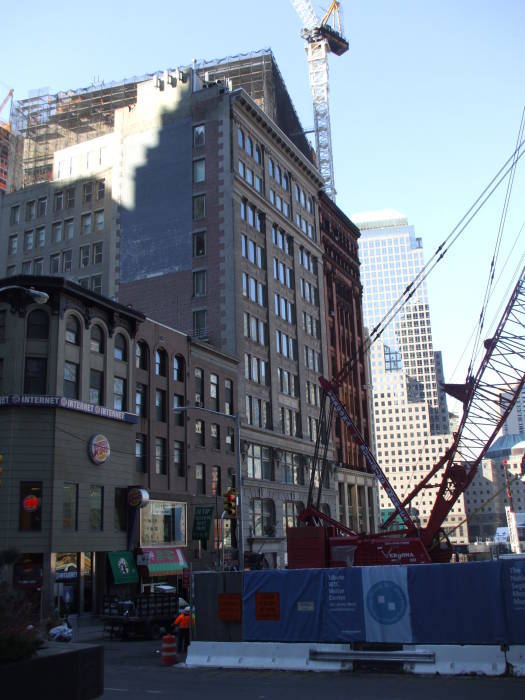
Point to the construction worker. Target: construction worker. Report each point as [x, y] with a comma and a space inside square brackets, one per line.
[182, 630]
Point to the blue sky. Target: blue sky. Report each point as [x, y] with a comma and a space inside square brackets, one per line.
[425, 106]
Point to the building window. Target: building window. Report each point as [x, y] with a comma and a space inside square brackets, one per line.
[259, 463]
[56, 232]
[96, 507]
[70, 198]
[41, 206]
[96, 387]
[228, 397]
[101, 189]
[141, 356]
[119, 394]
[263, 517]
[86, 224]
[12, 247]
[72, 330]
[200, 321]
[30, 210]
[30, 508]
[87, 192]
[96, 284]
[96, 343]
[200, 479]
[199, 244]
[120, 521]
[35, 376]
[291, 510]
[160, 363]
[140, 453]
[292, 469]
[229, 439]
[120, 350]
[140, 400]
[199, 283]
[97, 253]
[215, 434]
[178, 457]
[178, 402]
[199, 386]
[199, 207]
[39, 266]
[69, 229]
[216, 489]
[99, 220]
[178, 369]
[26, 267]
[67, 260]
[15, 215]
[70, 380]
[37, 325]
[160, 455]
[199, 135]
[70, 506]
[84, 256]
[214, 392]
[29, 240]
[199, 170]
[160, 405]
[199, 433]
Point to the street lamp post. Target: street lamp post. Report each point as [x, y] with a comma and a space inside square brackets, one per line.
[237, 422]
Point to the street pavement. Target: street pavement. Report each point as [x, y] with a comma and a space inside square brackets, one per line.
[133, 670]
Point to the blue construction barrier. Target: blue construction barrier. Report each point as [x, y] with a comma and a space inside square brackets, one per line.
[475, 603]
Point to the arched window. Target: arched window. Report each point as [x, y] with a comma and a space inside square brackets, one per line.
[160, 363]
[97, 339]
[120, 351]
[178, 368]
[38, 325]
[141, 355]
[73, 330]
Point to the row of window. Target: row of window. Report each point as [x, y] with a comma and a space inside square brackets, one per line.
[253, 289]
[253, 252]
[92, 191]
[247, 144]
[60, 231]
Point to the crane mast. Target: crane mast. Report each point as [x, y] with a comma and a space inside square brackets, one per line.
[322, 37]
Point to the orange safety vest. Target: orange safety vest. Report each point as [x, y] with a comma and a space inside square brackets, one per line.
[183, 621]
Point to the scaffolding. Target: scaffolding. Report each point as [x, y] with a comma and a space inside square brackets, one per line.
[51, 122]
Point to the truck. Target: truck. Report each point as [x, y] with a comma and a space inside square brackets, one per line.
[146, 615]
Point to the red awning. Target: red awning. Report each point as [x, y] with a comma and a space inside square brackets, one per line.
[160, 561]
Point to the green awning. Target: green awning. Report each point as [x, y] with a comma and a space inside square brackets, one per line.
[123, 567]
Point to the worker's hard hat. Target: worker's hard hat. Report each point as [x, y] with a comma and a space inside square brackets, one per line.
[186, 609]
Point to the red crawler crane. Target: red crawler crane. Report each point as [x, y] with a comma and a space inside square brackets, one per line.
[487, 397]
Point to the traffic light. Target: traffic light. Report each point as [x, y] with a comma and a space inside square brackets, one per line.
[230, 503]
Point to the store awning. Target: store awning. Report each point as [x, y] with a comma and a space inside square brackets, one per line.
[123, 567]
[160, 561]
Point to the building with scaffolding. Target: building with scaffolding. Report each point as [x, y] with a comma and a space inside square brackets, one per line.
[184, 196]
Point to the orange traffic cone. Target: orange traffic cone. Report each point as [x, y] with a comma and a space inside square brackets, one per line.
[168, 654]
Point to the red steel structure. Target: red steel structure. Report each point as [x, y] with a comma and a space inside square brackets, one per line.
[487, 397]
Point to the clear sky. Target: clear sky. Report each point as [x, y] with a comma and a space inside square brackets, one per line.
[425, 106]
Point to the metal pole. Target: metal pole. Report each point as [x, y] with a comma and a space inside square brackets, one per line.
[240, 539]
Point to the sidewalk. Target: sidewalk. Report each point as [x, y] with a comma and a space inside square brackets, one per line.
[87, 628]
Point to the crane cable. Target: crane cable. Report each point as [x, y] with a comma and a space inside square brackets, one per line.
[445, 246]
[495, 254]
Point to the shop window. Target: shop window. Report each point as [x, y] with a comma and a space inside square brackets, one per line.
[30, 509]
[96, 507]
[163, 522]
[70, 506]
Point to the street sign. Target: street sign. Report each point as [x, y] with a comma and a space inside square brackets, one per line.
[202, 517]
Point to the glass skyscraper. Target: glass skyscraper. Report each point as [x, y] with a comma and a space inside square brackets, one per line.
[410, 415]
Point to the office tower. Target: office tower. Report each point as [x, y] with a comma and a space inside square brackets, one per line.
[410, 411]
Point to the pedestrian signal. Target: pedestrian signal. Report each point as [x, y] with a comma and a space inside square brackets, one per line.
[230, 502]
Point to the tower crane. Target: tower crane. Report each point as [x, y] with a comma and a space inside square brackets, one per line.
[6, 99]
[322, 37]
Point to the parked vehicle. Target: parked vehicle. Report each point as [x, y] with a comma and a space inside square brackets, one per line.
[146, 615]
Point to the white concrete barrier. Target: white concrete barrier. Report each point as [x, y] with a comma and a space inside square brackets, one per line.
[456, 659]
[516, 660]
[264, 655]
